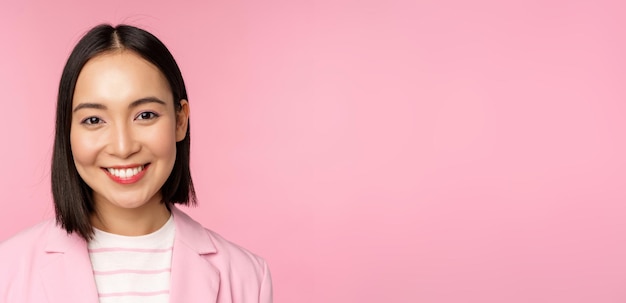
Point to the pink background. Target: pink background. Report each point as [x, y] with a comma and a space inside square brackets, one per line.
[373, 151]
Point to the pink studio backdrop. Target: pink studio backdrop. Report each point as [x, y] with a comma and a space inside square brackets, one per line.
[373, 151]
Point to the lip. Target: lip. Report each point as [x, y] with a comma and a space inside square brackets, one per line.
[130, 180]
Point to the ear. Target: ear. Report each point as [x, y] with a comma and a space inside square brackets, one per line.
[182, 120]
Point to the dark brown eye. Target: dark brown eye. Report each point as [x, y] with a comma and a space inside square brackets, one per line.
[92, 120]
[147, 116]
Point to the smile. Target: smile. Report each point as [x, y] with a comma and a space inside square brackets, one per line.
[125, 172]
[126, 175]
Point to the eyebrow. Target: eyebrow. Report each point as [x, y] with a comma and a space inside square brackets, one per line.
[132, 105]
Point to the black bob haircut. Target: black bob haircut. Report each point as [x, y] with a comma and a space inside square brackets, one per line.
[73, 201]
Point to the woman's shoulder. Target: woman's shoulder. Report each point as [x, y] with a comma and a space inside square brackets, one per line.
[238, 263]
[233, 251]
[244, 272]
[220, 251]
[27, 240]
[23, 252]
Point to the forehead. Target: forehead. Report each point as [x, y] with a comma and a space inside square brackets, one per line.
[120, 76]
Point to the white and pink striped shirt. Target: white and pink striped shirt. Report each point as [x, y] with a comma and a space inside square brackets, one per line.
[133, 269]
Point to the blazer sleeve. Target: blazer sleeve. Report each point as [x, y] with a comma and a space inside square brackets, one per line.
[266, 293]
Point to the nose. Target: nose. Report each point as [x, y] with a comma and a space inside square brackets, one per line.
[122, 142]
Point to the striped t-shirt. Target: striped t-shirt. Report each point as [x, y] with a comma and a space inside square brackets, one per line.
[133, 269]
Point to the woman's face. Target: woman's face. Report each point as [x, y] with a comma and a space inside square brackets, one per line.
[124, 130]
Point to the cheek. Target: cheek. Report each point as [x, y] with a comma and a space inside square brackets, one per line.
[161, 141]
[83, 148]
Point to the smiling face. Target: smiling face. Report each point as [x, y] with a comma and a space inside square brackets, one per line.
[124, 131]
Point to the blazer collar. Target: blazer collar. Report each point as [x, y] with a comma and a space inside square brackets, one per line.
[191, 233]
[67, 275]
[194, 278]
[59, 241]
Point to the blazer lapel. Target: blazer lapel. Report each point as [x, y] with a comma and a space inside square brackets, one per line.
[68, 277]
[193, 278]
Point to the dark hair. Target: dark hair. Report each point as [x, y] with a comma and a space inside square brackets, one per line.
[73, 199]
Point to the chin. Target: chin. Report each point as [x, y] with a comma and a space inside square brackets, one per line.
[129, 204]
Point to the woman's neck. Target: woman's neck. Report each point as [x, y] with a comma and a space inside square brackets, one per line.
[131, 222]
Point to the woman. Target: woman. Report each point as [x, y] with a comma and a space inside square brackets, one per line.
[120, 165]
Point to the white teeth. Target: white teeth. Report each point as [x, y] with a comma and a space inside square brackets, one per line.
[125, 173]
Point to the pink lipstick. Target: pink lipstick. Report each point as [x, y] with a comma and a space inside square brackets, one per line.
[127, 174]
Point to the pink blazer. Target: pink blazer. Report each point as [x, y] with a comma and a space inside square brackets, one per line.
[44, 264]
